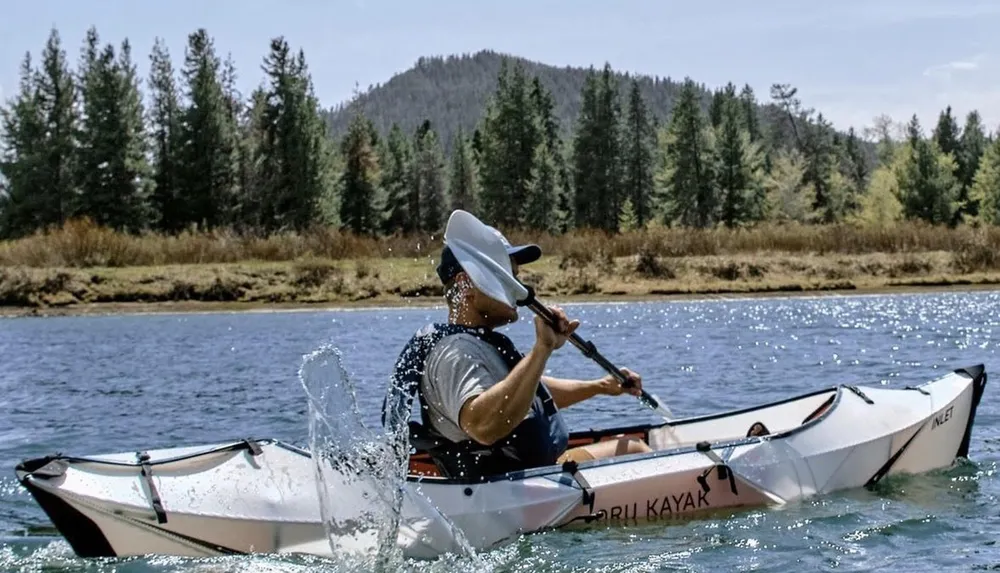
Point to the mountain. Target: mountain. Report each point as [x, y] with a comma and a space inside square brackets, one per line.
[452, 92]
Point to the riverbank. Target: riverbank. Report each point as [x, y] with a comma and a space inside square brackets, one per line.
[311, 283]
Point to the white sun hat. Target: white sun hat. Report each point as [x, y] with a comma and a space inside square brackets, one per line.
[484, 254]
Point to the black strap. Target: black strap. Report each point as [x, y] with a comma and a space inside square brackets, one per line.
[147, 474]
[884, 470]
[253, 446]
[725, 472]
[858, 391]
[572, 468]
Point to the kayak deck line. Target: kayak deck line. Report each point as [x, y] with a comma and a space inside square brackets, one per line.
[252, 495]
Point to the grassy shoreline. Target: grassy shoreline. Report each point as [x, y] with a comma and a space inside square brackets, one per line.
[84, 269]
[364, 283]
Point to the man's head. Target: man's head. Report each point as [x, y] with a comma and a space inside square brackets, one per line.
[462, 294]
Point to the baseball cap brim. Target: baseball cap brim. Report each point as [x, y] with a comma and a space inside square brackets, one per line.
[522, 255]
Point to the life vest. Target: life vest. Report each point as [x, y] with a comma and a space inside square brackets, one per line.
[537, 441]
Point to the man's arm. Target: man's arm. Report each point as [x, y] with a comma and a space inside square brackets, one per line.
[493, 414]
[566, 392]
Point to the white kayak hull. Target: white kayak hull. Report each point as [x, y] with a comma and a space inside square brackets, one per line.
[260, 496]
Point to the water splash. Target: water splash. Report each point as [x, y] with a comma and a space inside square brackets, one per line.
[369, 513]
[358, 480]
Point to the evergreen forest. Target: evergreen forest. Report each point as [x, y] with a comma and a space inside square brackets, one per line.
[521, 144]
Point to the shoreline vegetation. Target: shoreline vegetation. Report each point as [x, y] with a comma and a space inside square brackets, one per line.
[178, 190]
[82, 268]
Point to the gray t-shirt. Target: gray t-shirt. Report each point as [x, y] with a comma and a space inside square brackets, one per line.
[461, 366]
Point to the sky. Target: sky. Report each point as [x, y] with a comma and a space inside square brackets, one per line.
[850, 59]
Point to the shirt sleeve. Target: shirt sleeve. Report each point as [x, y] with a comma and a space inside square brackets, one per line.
[456, 372]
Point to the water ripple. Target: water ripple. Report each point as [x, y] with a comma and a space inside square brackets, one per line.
[97, 384]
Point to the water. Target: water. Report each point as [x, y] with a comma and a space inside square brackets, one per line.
[361, 473]
[101, 384]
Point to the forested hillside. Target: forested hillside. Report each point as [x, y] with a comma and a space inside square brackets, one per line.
[451, 92]
[522, 144]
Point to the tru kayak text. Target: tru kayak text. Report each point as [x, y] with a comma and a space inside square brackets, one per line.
[668, 505]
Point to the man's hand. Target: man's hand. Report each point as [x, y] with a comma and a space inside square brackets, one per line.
[610, 386]
[550, 339]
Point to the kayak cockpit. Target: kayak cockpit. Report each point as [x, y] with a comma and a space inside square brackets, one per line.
[770, 419]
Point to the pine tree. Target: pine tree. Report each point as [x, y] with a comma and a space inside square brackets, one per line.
[509, 134]
[463, 176]
[584, 154]
[206, 174]
[429, 169]
[946, 134]
[114, 172]
[396, 162]
[985, 190]
[716, 108]
[597, 176]
[638, 157]
[686, 179]
[971, 148]
[543, 108]
[739, 166]
[23, 196]
[296, 158]
[56, 95]
[165, 128]
[927, 183]
[550, 192]
[751, 121]
[818, 150]
[93, 130]
[232, 102]
[543, 190]
[359, 179]
[313, 163]
[251, 179]
[854, 167]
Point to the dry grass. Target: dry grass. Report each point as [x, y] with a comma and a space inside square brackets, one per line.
[81, 264]
[82, 244]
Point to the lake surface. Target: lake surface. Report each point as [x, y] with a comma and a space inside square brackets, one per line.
[87, 385]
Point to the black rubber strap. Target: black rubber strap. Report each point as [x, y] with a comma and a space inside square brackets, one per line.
[884, 470]
[571, 468]
[858, 391]
[725, 472]
[253, 446]
[147, 474]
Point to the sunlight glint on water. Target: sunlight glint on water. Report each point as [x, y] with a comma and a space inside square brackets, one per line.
[200, 378]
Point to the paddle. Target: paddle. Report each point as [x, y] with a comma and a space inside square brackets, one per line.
[493, 274]
[590, 351]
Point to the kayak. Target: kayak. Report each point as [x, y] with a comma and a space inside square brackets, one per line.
[261, 495]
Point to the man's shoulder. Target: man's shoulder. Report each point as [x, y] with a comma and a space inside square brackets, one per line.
[460, 340]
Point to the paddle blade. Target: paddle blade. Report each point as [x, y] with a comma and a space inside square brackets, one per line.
[483, 256]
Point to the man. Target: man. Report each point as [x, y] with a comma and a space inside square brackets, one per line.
[487, 408]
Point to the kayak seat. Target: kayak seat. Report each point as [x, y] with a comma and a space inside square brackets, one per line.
[758, 429]
[596, 437]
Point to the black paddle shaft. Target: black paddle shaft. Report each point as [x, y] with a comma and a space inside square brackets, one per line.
[586, 347]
